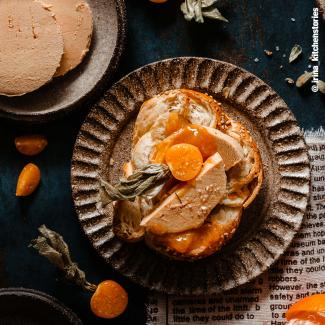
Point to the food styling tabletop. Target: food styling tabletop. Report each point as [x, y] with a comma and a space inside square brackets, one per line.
[258, 37]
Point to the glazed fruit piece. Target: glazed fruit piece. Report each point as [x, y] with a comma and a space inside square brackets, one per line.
[28, 180]
[184, 160]
[31, 145]
[310, 308]
[109, 300]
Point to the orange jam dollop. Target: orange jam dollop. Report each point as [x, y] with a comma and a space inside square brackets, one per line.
[175, 122]
[184, 161]
[195, 241]
[310, 308]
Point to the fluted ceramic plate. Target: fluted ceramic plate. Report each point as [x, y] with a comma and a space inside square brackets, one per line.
[65, 94]
[20, 306]
[267, 227]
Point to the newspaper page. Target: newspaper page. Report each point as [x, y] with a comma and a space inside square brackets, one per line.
[299, 273]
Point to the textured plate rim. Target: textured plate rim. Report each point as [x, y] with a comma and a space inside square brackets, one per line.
[84, 218]
[49, 300]
[43, 117]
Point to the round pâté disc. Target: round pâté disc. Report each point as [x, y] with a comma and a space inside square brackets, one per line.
[31, 46]
[76, 22]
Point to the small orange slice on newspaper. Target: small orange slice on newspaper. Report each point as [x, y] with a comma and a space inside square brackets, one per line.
[311, 308]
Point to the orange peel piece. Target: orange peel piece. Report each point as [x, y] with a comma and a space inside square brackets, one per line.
[310, 308]
[31, 145]
[28, 180]
[184, 161]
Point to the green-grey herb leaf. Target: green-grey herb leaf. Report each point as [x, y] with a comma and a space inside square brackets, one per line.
[208, 3]
[135, 185]
[197, 9]
[52, 246]
[214, 13]
[295, 52]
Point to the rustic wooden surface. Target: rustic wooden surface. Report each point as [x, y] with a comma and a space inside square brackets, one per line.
[155, 32]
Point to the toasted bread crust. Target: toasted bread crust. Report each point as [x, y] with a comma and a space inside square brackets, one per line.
[255, 176]
[149, 113]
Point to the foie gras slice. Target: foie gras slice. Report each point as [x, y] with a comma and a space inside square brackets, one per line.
[31, 46]
[76, 21]
[190, 204]
[229, 149]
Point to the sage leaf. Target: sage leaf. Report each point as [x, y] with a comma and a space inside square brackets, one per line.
[214, 13]
[304, 79]
[137, 184]
[52, 246]
[192, 9]
[208, 3]
[295, 52]
[197, 9]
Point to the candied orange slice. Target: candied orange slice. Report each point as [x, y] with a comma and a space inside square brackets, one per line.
[195, 135]
[311, 308]
[31, 145]
[184, 161]
[28, 180]
[109, 300]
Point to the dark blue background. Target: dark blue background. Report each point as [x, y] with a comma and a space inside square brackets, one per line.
[154, 32]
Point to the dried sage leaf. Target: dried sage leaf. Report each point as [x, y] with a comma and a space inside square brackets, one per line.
[192, 9]
[290, 81]
[214, 13]
[304, 79]
[295, 52]
[208, 3]
[135, 185]
[197, 9]
[52, 246]
[321, 86]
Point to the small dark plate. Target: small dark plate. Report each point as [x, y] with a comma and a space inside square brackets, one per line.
[69, 92]
[31, 307]
[267, 227]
